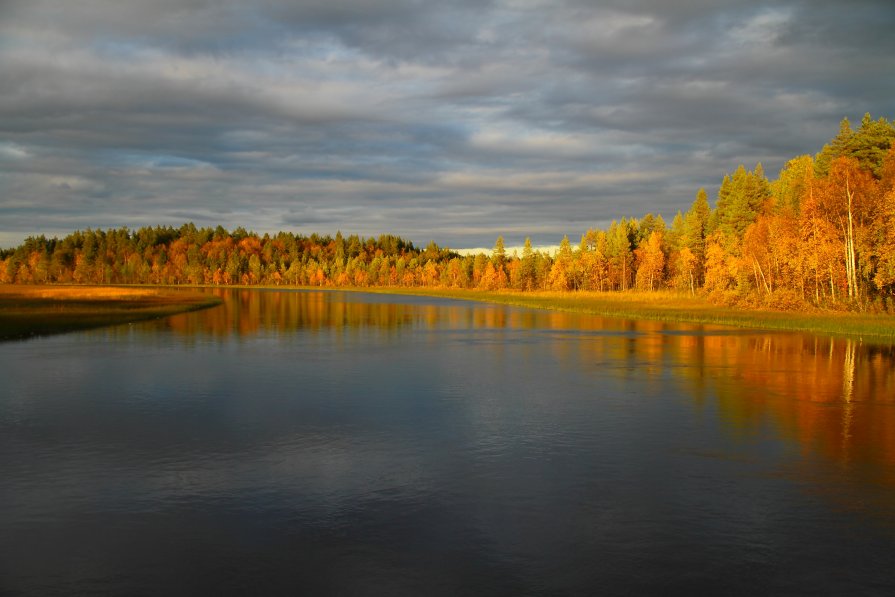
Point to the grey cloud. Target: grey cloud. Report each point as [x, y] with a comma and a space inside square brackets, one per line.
[452, 121]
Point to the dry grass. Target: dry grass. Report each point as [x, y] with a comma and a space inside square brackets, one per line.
[79, 293]
[27, 311]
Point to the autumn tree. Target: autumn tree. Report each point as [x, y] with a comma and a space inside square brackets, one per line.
[560, 277]
[651, 261]
[686, 270]
[696, 229]
[821, 233]
[847, 198]
[717, 269]
[619, 245]
[884, 276]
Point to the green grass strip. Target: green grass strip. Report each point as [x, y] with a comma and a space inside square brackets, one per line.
[677, 308]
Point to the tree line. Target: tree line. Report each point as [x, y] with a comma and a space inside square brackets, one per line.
[822, 234]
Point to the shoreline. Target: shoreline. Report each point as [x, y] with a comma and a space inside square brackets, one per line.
[662, 305]
[28, 311]
[111, 305]
[672, 307]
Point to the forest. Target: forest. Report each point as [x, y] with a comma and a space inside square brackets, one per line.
[822, 235]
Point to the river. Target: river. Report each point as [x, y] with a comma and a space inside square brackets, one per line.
[299, 442]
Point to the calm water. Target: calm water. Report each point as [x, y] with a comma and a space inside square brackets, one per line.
[328, 443]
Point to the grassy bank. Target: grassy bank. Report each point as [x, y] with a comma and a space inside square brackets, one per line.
[34, 310]
[38, 310]
[675, 307]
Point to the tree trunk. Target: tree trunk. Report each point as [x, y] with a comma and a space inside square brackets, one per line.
[851, 257]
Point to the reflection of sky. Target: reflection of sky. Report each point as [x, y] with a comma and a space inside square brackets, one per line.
[475, 444]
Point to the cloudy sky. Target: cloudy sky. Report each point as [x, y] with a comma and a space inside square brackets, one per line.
[434, 120]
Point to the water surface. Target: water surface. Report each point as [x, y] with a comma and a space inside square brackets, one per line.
[337, 443]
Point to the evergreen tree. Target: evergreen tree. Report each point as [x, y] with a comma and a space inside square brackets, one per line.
[742, 200]
[868, 145]
[528, 267]
[696, 229]
[675, 235]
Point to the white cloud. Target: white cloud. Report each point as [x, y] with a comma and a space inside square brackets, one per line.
[501, 140]
[542, 182]
[13, 151]
[762, 29]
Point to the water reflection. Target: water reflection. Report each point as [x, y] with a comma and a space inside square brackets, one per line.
[755, 377]
[800, 366]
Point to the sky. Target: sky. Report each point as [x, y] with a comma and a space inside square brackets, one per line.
[433, 120]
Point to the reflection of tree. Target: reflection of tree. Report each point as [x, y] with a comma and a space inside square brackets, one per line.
[250, 312]
[848, 371]
[832, 397]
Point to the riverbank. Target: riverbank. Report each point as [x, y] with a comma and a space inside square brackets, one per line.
[37, 310]
[27, 311]
[675, 307]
